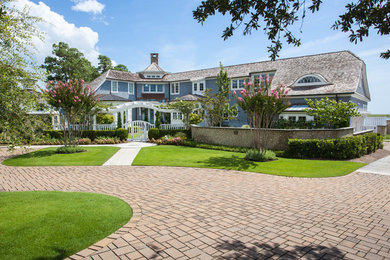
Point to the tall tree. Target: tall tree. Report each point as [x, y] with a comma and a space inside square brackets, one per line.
[68, 63]
[277, 17]
[18, 72]
[216, 105]
[104, 64]
[121, 67]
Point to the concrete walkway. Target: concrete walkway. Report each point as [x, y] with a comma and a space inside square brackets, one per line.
[127, 153]
[381, 166]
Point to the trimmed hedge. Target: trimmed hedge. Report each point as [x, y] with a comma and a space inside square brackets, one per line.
[120, 133]
[158, 133]
[339, 148]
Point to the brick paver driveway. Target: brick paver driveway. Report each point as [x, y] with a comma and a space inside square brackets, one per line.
[186, 213]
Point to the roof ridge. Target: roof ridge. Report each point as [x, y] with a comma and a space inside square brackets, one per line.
[256, 62]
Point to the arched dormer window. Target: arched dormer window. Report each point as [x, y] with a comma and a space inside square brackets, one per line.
[310, 80]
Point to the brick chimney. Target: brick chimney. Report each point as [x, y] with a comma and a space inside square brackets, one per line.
[154, 58]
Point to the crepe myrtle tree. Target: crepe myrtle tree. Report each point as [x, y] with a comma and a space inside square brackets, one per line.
[75, 102]
[262, 104]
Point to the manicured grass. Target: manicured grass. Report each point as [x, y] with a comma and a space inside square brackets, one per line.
[387, 137]
[47, 157]
[166, 155]
[55, 225]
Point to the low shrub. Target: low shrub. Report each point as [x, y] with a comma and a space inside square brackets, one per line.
[168, 140]
[191, 143]
[84, 141]
[48, 141]
[300, 124]
[338, 148]
[106, 140]
[70, 149]
[155, 133]
[120, 133]
[259, 156]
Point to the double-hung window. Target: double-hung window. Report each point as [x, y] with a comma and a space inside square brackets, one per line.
[114, 86]
[131, 88]
[175, 88]
[198, 87]
[262, 77]
[153, 88]
[238, 84]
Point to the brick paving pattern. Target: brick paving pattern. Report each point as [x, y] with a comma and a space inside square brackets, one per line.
[185, 213]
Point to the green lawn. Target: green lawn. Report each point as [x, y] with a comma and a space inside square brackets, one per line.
[48, 157]
[55, 225]
[387, 137]
[166, 155]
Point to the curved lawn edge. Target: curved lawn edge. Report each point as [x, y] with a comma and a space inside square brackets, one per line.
[179, 156]
[45, 157]
[135, 216]
[125, 229]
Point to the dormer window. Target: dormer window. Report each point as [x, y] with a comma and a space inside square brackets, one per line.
[149, 76]
[310, 80]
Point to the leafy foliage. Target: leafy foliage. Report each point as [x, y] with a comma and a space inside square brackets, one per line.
[68, 63]
[70, 149]
[104, 64]
[339, 148]
[331, 113]
[216, 105]
[184, 107]
[259, 156]
[121, 67]
[104, 118]
[262, 104]
[277, 17]
[195, 119]
[75, 103]
[19, 74]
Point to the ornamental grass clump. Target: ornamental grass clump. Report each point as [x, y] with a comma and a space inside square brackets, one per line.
[260, 156]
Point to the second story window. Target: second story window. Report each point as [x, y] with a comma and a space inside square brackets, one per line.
[114, 86]
[237, 84]
[153, 88]
[175, 88]
[198, 87]
[131, 88]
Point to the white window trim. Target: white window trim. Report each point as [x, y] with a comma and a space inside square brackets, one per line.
[198, 82]
[173, 86]
[238, 84]
[128, 88]
[322, 80]
[117, 86]
[157, 92]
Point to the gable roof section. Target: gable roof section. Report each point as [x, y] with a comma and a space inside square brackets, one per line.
[95, 84]
[153, 68]
[110, 97]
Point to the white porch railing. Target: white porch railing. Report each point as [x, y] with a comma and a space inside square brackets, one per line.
[172, 126]
[104, 127]
[372, 123]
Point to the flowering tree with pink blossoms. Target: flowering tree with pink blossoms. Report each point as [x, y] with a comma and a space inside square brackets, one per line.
[75, 103]
[262, 104]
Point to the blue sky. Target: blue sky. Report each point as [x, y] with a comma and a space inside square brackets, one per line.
[127, 31]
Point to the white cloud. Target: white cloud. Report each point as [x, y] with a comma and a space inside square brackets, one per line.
[373, 51]
[57, 29]
[88, 6]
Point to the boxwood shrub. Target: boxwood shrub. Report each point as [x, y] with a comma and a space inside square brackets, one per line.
[338, 148]
[120, 133]
[158, 133]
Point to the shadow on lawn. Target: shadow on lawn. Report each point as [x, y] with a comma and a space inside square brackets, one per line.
[60, 254]
[37, 154]
[234, 162]
[238, 249]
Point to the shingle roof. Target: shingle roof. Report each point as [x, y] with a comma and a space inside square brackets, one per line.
[153, 67]
[189, 97]
[342, 71]
[110, 97]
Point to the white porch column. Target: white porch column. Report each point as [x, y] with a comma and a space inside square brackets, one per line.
[129, 115]
[94, 123]
[115, 118]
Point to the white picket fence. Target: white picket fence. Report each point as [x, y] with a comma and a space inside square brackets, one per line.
[139, 130]
[104, 127]
[172, 126]
[371, 123]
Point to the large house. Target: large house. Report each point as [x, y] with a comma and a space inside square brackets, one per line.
[337, 75]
